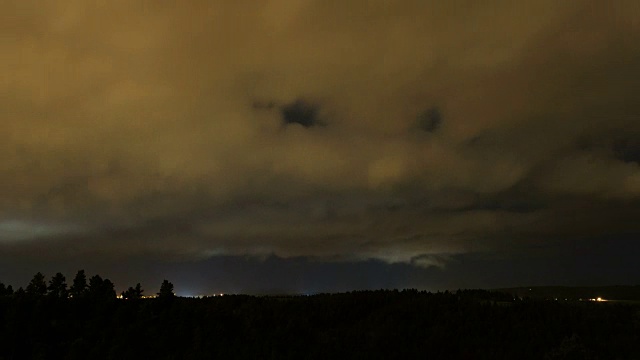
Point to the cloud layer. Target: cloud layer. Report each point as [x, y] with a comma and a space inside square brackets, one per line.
[408, 131]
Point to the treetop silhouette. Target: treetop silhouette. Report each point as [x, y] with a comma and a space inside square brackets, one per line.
[166, 290]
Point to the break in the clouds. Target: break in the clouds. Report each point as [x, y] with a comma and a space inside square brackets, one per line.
[199, 128]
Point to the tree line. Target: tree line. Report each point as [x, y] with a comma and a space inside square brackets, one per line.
[96, 288]
[50, 320]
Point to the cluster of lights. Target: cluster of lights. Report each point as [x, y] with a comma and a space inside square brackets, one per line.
[155, 296]
[142, 297]
[598, 299]
[200, 296]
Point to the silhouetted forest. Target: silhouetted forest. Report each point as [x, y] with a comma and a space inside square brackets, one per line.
[50, 320]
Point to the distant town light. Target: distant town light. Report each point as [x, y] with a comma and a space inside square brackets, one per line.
[598, 299]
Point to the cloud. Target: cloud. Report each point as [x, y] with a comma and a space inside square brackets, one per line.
[16, 231]
[427, 261]
[164, 123]
[628, 149]
[430, 120]
[300, 112]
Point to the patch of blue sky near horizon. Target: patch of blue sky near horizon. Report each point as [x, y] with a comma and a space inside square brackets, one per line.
[15, 230]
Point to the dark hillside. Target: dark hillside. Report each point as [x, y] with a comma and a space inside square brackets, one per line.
[469, 324]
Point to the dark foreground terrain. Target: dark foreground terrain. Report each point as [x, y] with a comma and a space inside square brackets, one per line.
[470, 324]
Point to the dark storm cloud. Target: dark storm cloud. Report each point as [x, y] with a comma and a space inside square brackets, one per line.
[430, 120]
[628, 149]
[300, 112]
[151, 132]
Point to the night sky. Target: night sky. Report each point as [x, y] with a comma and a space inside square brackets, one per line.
[318, 145]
